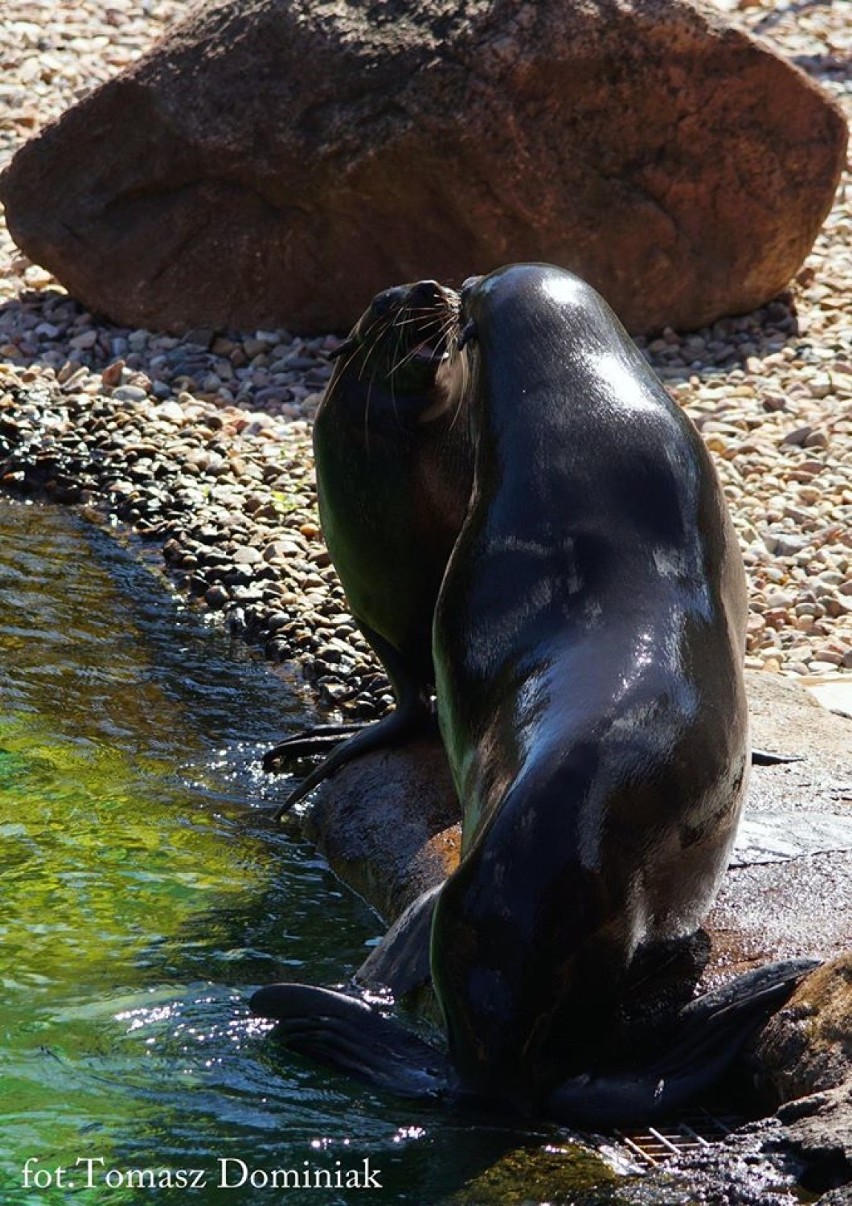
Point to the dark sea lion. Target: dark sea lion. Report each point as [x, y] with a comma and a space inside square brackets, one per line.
[588, 646]
[594, 714]
[394, 468]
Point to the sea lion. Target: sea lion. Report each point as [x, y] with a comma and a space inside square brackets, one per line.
[595, 716]
[394, 468]
[588, 646]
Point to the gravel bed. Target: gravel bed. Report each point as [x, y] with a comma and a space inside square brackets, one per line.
[203, 443]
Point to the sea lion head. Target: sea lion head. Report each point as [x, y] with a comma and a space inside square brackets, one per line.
[403, 338]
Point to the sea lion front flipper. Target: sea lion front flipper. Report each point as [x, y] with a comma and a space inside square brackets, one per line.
[347, 1033]
[411, 716]
[305, 745]
[710, 1033]
[765, 758]
[398, 727]
[400, 962]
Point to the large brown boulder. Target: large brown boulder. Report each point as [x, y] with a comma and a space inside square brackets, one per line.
[279, 161]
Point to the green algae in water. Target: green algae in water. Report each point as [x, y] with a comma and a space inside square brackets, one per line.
[146, 892]
[140, 893]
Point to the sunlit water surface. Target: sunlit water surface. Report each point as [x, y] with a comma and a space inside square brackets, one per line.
[146, 891]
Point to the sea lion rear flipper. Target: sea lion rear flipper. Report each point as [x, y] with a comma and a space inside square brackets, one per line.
[710, 1033]
[347, 1033]
[400, 962]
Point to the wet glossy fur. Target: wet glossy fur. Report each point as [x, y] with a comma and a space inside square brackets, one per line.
[588, 643]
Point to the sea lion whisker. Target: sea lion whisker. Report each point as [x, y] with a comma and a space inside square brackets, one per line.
[363, 367]
[342, 366]
[392, 382]
[409, 356]
[448, 325]
[396, 363]
[426, 320]
[400, 359]
[413, 316]
[423, 337]
[425, 343]
[462, 394]
[370, 341]
[367, 399]
[374, 332]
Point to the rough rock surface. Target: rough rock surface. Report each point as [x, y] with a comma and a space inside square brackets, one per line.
[817, 1133]
[807, 1046]
[767, 909]
[804, 1056]
[352, 822]
[279, 161]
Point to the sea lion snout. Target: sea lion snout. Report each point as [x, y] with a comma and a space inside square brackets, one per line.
[426, 293]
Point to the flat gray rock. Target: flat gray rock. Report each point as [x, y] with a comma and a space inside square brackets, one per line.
[766, 837]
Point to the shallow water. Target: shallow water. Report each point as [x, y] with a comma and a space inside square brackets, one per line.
[146, 892]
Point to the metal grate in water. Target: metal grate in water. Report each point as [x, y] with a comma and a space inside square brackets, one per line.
[653, 1146]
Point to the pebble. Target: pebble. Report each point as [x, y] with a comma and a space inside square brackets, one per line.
[204, 440]
[87, 339]
[129, 393]
[216, 596]
[799, 436]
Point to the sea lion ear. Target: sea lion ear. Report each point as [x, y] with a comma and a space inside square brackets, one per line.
[466, 335]
[348, 345]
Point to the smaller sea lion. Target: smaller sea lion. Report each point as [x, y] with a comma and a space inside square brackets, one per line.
[394, 467]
